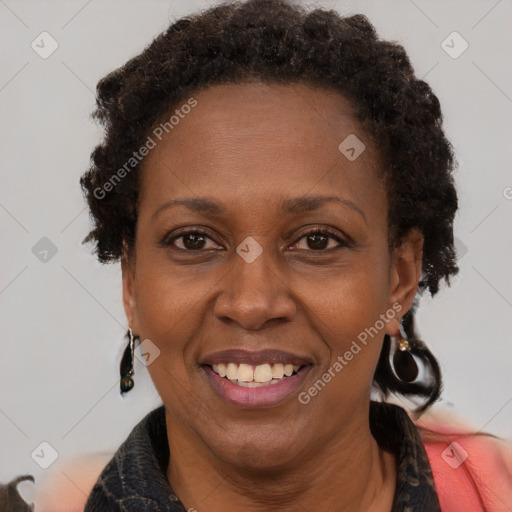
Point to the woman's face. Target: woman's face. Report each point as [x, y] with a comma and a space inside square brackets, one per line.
[254, 169]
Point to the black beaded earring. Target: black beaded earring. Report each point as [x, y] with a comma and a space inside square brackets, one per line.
[404, 364]
[126, 366]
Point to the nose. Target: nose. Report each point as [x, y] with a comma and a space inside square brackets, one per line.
[254, 294]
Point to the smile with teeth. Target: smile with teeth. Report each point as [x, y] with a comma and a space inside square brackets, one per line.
[249, 375]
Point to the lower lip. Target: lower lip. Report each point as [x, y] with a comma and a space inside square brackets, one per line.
[262, 396]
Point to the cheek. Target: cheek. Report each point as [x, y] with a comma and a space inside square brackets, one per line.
[347, 311]
[350, 300]
[166, 302]
[168, 314]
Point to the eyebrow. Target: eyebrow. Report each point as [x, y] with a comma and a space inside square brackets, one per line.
[295, 205]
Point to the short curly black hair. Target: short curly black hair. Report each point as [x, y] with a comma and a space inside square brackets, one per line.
[275, 41]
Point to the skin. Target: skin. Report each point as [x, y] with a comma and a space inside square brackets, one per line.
[250, 147]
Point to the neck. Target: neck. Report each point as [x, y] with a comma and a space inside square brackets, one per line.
[346, 473]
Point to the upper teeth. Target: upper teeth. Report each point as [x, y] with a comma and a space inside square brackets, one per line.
[250, 373]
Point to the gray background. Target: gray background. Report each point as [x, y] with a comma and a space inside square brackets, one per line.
[62, 322]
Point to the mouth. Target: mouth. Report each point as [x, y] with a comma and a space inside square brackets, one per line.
[252, 376]
[251, 380]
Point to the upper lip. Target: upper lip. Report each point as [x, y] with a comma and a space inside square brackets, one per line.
[241, 356]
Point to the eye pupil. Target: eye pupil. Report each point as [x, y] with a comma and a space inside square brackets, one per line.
[319, 241]
[195, 239]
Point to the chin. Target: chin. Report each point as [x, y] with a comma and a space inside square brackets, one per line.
[256, 453]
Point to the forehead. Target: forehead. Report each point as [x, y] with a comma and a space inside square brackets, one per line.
[263, 141]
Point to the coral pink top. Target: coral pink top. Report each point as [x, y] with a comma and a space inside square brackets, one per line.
[472, 472]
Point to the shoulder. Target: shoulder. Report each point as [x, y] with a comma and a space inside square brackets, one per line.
[471, 470]
[67, 484]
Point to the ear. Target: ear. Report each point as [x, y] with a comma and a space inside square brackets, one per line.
[129, 295]
[405, 272]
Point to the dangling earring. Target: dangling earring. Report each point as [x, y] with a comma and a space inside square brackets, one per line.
[126, 366]
[404, 364]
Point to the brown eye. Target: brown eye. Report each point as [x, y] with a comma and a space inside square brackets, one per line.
[193, 241]
[320, 239]
[317, 241]
[190, 241]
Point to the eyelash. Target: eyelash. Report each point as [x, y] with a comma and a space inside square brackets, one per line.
[168, 242]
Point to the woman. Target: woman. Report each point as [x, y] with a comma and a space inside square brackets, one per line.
[278, 188]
